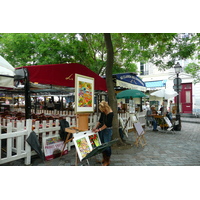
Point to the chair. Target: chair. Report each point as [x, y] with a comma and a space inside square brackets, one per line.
[139, 133]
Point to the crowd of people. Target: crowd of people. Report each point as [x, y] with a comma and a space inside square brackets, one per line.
[51, 105]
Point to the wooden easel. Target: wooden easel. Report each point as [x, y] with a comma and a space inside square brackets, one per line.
[70, 132]
[139, 134]
[82, 126]
[82, 119]
[138, 130]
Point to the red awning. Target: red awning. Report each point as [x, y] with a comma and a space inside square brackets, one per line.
[63, 75]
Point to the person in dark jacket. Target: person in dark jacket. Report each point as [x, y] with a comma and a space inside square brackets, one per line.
[104, 127]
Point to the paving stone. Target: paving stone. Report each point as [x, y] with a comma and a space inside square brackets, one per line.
[162, 149]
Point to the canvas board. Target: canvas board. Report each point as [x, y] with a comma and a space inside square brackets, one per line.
[85, 142]
[84, 94]
[139, 128]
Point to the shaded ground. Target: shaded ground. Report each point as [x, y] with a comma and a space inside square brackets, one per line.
[162, 149]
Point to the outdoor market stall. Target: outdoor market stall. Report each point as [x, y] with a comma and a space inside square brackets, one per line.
[26, 77]
[55, 76]
[129, 81]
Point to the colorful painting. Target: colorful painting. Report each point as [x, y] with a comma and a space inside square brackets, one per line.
[94, 140]
[53, 147]
[84, 94]
[83, 147]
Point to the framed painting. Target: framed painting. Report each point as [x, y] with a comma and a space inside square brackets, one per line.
[94, 140]
[84, 94]
[83, 146]
[85, 142]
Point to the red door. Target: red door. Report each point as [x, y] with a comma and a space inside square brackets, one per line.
[186, 97]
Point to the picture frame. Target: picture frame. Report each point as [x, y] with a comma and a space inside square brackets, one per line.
[84, 94]
[85, 142]
[83, 146]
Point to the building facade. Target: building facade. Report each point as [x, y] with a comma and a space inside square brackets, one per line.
[156, 80]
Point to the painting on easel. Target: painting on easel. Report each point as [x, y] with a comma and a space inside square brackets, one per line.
[82, 147]
[94, 140]
[84, 94]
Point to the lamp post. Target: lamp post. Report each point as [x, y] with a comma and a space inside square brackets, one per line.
[177, 82]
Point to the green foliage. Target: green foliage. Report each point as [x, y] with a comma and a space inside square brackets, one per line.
[194, 70]
[89, 49]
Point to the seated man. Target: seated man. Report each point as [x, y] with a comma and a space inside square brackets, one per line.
[150, 117]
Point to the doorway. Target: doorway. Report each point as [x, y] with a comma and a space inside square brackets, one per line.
[186, 97]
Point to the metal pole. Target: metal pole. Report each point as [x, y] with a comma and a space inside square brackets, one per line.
[178, 117]
[27, 95]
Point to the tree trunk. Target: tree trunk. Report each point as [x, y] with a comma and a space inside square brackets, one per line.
[110, 86]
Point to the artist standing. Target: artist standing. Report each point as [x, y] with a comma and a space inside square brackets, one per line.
[104, 127]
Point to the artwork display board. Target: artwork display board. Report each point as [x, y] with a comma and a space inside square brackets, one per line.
[131, 106]
[84, 94]
[139, 133]
[85, 142]
[139, 128]
[53, 147]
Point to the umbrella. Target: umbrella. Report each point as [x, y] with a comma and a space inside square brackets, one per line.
[166, 93]
[34, 143]
[127, 94]
[6, 74]
[6, 65]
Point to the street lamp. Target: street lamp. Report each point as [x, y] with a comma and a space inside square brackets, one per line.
[177, 82]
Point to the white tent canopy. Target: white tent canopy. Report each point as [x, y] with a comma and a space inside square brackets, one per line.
[6, 74]
[166, 93]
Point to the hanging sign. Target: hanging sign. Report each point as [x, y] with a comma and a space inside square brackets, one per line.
[177, 81]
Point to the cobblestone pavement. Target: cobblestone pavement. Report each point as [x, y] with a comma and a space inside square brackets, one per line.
[162, 149]
[191, 119]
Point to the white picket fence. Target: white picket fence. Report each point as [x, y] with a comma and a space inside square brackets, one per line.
[16, 133]
[16, 142]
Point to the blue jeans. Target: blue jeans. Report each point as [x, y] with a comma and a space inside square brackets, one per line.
[105, 136]
[154, 122]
